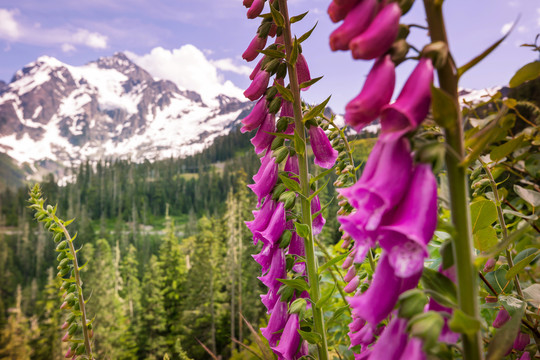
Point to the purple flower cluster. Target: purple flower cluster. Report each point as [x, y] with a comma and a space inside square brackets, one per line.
[395, 200]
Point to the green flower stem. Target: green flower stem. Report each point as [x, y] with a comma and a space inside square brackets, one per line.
[78, 281]
[459, 197]
[311, 260]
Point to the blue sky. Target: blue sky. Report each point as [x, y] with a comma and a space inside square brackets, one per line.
[156, 34]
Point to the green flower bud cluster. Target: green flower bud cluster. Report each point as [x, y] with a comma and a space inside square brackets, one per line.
[68, 270]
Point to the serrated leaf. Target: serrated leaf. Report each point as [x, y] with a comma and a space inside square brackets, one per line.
[311, 337]
[331, 262]
[277, 16]
[315, 111]
[514, 270]
[463, 323]
[289, 183]
[299, 144]
[273, 53]
[485, 53]
[483, 214]
[530, 196]
[298, 284]
[528, 72]
[485, 239]
[297, 18]
[504, 338]
[302, 230]
[439, 287]
[444, 109]
[294, 52]
[285, 92]
[307, 34]
[310, 82]
[505, 149]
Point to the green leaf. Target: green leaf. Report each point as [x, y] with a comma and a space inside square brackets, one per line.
[312, 196]
[310, 82]
[286, 93]
[289, 183]
[485, 53]
[510, 304]
[497, 280]
[299, 144]
[514, 270]
[297, 18]
[530, 196]
[294, 52]
[463, 323]
[523, 228]
[444, 109]
[68, 222]
[331, 262]
[523, 254]
[505, 149]
[485, 238]
[533, 217]
[302, 230]
[324, 299]
[83, 266]
[307, 34]
[504, 338]
[320, 176]
[439, 287]
[277, 16]
[483, 214]
[281, 135]
[315, 111]
[298, 284]
[311, 337]
[528, 72]
[273, 53]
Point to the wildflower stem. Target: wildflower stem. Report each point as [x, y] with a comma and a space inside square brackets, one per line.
[459, 204]
[311, 260]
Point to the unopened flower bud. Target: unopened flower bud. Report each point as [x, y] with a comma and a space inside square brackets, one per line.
[61, 246]
[66, 337]
[289, 199]
[61, 256]
[65, 325]
[64, 305]
[280, 154]
[252, 51]
[285, 239]
[490, 265]
[399, 51]
[352, 286]
[281, 71]
[277, 143]
[69, 354]
[403, 32]
[58, 237]
[255, 9]
[502, 317]
[412, 303]
[437, 52]
[275, 105]
[427, 326]
[347, 263]
[350, 274]
[522, 340]
[80, 349]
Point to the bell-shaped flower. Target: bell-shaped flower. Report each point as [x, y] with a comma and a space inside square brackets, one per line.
[525, 356]
[338, 10]
[413, 350]
[351, 273]
[381, 187]
[325, 154]
[297, 247]
[256, 69]
[290, 339]
[407, 233]
[319, 221]
[412, 105]
[247, 3]
[276, 323]
[522, 340]
[269, 300]
[377, 302]
[275, 227]
[291, 165]
[262, 216]
[375, 94]
[255, 117]
[502, 317]
[302, 71]
[262, 139]
[264, 258]
[256, 45]
[352, 285]
[277, 271]
[356, 22]
[258, 86]
[379, 36]
[255, 9]
[392, 342]
[266, 177]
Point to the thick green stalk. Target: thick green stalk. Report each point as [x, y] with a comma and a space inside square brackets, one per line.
[311, 259]
[459, 188]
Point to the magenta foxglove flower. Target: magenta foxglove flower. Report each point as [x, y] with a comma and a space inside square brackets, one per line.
[262, 139]
[379, 36]
[338, 12]
[255, 9]
[275, 227]
[325, 154]
[255, 117]
[247, 3]
[375, 94]
[490, 265]
[256, 69]
[319, 220]
[521, 341]
[262, 216]
[351, 273]
[258, 86]
[276, 323]
[296, 247]
[290, 339]
[264, 258]
[413, 350]
[291, 165]
[407, 233]
[287, 109]
[277, 271]
[412, 104]
[502, 317]
[266, 177]
[525, 356]
[447, 336]
[352, 285]
[269, 300]
[392, 342]
[302, 71]
[356, 21]
[254, 47]
[377, 302]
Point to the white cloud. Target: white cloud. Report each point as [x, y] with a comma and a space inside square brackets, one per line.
[228, 65]
[16, 30]
[522, 29]
[506, 28]
[189, 68]
[9, 28]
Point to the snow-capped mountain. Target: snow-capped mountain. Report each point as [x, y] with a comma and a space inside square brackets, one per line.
[109, 108]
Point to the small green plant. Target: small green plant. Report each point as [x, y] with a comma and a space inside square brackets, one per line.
[78, 329]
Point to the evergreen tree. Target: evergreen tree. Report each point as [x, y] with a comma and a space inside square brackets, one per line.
[15, 338]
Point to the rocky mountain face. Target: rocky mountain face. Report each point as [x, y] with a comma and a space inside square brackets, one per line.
[109, 108]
